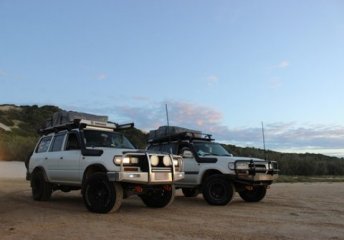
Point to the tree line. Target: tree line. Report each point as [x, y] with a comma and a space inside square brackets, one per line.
[26, 120]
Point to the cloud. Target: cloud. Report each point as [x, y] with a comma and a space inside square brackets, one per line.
[180, 114]
[283, 64]
[2, 73]
[275, 83]
[102, 76]
[212, 80]
[279, 136]
[290, 136]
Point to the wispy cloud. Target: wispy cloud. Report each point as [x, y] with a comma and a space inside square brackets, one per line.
[275, 83]
[2, 73]
[102, 76]
[212, 80]
[281, 136]
[283, 64]
[290, 136]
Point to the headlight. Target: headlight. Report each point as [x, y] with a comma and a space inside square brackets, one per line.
[231, 166]
[154, 160]
[118, 160]
[242, 165]
[126, 160]
[273, 165]
[167, 161]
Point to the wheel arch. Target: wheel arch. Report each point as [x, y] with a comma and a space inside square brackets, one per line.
[41, 169]
[208, 173]
[93, 169]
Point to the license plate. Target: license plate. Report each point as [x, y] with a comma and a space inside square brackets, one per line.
[161, 176]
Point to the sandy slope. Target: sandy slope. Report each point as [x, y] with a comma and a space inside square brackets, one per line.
[290, 211]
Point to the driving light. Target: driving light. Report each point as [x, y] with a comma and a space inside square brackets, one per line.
[175, 163]
[154, 160]
[167, 161]
[134, 160]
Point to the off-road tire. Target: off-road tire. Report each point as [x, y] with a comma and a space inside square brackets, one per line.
[218, 190]
[254, 195]
[190, 192]
[41, 189]
[100, 195]
[158, 197]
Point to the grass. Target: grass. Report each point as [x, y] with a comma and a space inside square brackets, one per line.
[294, 179]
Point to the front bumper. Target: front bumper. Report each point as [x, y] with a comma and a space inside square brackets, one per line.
[256, 172]
[142, 171]
[145, 177]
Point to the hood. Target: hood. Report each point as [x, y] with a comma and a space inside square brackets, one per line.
[235, 158]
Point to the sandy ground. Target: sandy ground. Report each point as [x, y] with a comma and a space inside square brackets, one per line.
[289, 211]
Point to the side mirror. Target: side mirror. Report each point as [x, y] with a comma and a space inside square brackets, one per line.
[187, 154]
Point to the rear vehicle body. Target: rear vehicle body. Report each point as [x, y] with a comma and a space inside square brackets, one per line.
[210, 169]
[97, 158]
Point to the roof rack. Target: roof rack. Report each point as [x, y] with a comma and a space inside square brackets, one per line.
[173, 133]
[82, 124]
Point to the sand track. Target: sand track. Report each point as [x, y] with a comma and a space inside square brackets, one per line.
[290, 211]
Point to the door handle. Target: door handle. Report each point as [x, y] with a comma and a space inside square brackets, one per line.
[46, 158]
[61, 157]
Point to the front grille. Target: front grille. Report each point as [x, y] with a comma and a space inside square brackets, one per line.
[260, 168]
[161, 169]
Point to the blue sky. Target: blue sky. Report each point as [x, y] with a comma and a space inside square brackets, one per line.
[221, 66]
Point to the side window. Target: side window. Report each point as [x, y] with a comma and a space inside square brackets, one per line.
[72, 142]
[43, 145]
[57, 143]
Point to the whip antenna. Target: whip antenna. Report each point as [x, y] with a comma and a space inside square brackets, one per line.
[168, 128]
[168, 121]
[263, 140]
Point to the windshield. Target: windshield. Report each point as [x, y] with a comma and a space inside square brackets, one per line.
[106, 139]
[210, 148]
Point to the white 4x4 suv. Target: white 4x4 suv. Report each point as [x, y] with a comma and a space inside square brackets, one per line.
[210, 169]
[95, 157]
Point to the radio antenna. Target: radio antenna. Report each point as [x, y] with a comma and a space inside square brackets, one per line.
[263, 140]
[168, 121]
[168, 128]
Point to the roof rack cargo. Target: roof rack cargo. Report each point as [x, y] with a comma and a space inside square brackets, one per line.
[67, 120]
[173, 133]
[63, 117]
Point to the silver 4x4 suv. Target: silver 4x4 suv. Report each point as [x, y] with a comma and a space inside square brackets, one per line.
[210, 169]
[94, 156]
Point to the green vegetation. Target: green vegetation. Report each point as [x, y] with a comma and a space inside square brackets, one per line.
[26, 120]
[306, 164]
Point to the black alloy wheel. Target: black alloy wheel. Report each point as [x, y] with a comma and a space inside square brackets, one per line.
[217, 190]
[255, 194]
[100, 195]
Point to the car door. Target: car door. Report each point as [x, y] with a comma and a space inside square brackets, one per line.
[54, 156]
[69, 164]
[40, 154]
[191, 167]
